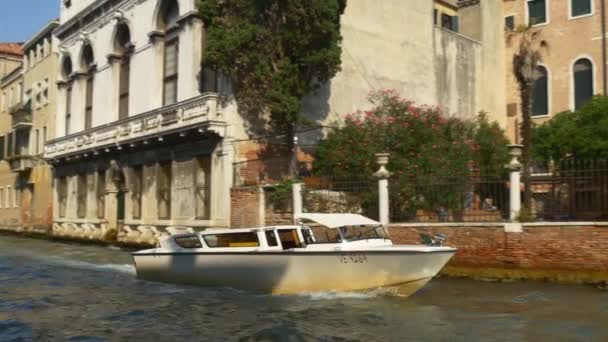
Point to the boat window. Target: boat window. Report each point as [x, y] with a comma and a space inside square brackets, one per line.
[290, 239]
[355, 233]
[271, 238]
[248, 239]
[190, 241]
[308, 236]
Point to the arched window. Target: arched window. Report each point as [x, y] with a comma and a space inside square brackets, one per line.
[540, 93]
[122, 45]
[168, 22]
[88, 62]
[66, 71]
[583, 82]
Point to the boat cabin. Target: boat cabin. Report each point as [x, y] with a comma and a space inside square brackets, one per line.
[337, 229]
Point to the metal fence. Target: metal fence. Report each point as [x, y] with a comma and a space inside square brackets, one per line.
[571, 191]
[460, 199]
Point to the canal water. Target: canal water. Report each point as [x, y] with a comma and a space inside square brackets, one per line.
[52, 291]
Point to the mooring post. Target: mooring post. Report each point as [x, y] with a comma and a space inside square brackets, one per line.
[297, 200]
[514, 168]
[383, 199]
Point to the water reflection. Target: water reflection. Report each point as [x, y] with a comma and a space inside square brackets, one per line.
[58, 291]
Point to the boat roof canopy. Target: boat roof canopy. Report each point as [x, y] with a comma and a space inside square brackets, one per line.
[338, 220]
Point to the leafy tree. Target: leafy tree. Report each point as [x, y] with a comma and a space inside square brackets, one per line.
[582, 134]
[432, 156]
[274, 51]
[526, 59]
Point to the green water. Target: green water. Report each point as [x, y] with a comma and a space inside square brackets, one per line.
[53, 291]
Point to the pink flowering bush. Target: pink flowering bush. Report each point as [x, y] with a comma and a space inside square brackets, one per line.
[425, 147]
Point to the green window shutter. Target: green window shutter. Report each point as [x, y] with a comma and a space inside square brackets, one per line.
[580, 7]
[583, 82]
[537, 12]
[540, 93]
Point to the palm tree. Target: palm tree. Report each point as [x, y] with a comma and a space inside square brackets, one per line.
[525, 64]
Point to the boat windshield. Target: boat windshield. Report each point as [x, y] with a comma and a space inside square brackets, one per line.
[356, 233]
[350, 233]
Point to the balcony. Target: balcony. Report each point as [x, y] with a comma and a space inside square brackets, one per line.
[202, 112]
[22, 163]
[21, 115]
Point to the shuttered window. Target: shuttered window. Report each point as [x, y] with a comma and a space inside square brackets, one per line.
[82, 196]
[1, 148]
[170, 71]
[580, 7]
[125, 70]
[537, 12]
[510, 23]
[583, 82]
[540, 93]
[164, 190]
[101, 194]
[202, 187]
[88, 109]
[136, 191]
[62, 195]
[68, 109]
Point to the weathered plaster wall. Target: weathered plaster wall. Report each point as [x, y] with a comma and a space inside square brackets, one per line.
[458, 67]
[392, 45]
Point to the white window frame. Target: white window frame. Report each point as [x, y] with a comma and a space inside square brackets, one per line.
[547, 13]
[570, 17]
[571, 71]
[549, 95]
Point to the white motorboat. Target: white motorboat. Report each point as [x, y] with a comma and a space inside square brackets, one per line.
[338, 252]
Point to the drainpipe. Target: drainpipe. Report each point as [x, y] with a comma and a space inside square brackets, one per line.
[604, 77]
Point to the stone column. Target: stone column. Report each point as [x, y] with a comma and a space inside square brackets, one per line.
[382, 175]
[297, 200]
[514, 168]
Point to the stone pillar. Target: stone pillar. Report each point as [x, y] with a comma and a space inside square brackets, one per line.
[383, 200]
[261, 207]
[297, 200]
[514, 168]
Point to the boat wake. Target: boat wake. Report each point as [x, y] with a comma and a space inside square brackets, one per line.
[366, 294]
[124, 268]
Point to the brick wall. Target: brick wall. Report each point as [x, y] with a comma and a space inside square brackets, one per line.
[551, 252]
[244, 207]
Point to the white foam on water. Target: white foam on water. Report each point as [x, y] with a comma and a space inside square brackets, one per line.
[331, 295]
[124, 268]
[366, 294]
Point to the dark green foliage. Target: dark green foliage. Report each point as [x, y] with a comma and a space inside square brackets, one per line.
[431, 156]
[274, 51]
[582, 134]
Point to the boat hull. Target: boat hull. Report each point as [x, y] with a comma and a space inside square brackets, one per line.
[295, 272]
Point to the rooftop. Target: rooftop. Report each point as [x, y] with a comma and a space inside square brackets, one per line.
[14, 49]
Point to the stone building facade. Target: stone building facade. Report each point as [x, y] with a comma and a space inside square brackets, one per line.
[572, 68]
[33, 127]
[408, 47]
[27, 119]
[147, 138]
[11, 101]
[142, 143]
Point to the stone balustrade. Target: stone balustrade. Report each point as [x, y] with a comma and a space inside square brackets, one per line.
[203, 112]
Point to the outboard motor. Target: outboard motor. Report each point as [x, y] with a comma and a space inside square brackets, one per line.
[433, 241]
